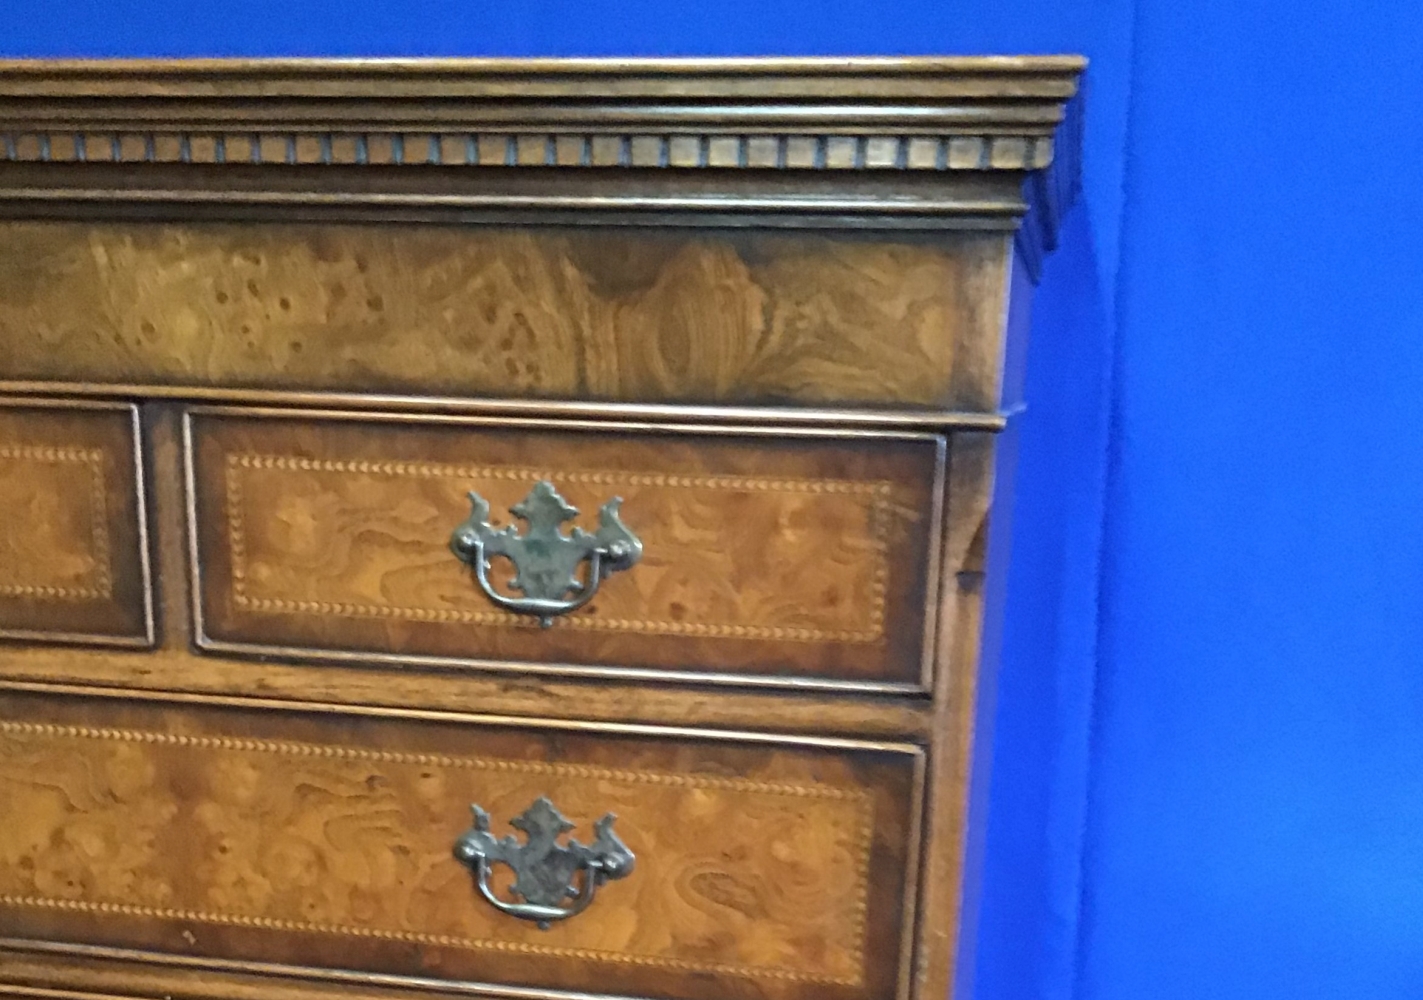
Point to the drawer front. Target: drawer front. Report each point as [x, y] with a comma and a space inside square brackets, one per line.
[73, 545]
[617, 314]
[762, 869]
[764, 559]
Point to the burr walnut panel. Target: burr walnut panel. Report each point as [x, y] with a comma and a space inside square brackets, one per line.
[639, 315]
[786, 559]
[763, 870]
[73, 565]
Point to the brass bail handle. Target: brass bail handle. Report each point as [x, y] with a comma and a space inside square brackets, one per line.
[554, 881]
[546, 561]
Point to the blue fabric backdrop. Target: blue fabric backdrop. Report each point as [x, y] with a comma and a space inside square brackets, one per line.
[1208, 741]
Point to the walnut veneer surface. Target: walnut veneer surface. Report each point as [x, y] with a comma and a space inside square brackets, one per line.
[792, 556]
[73, 542]
[328, 842]
[662, 316]
[264, 329]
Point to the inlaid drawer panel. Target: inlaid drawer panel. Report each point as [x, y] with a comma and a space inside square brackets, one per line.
[73, 559]
[764, 558]
[762, 869]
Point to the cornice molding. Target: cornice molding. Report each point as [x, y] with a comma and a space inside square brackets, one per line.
[1045, 79]
[927, 121]
[1048, 194]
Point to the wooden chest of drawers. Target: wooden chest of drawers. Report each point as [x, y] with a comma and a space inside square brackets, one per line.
[504, 528]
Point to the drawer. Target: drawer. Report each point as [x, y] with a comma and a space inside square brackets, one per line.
[73, 542]
[798, 559]
[762, 868]
[620, 314]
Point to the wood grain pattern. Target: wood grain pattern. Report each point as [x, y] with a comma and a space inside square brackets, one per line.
[49, 550]
[178, 673]
[72, 559]
[851, 518]
[799, 557]
[175, 671]
[39, 970]
[762, 871]
[638, 316]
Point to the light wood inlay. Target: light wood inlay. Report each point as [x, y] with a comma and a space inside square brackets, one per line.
[791, 556]
[73, 552]
[44, 740]
[189, 827]
[44, 556]
[866, 617]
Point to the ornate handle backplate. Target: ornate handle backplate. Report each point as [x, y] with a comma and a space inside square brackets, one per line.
[546, 561]
[555, 881]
